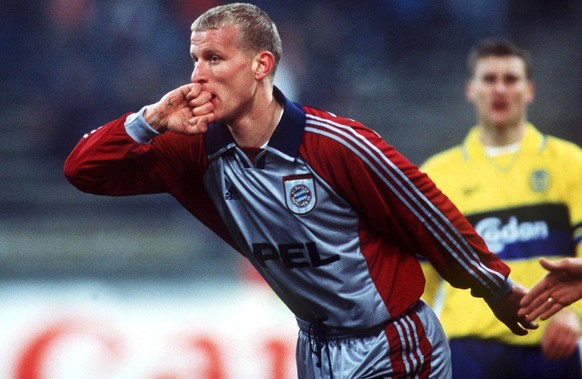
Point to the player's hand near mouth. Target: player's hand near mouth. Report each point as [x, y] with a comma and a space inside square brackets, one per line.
[186, 110]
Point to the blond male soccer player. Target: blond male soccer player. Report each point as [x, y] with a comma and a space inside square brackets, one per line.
[522, 191]
[327, 212]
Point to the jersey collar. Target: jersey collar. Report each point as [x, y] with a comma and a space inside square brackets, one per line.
[533, 142]
[284, 142]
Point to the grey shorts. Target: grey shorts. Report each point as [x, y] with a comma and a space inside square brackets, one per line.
[410, 346]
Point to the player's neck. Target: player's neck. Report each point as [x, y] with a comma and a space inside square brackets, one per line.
[255, 130]
[498, 136]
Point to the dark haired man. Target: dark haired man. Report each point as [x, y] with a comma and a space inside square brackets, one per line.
[522, 191]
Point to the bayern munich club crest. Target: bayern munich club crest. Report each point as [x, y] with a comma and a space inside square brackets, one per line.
[300, 194]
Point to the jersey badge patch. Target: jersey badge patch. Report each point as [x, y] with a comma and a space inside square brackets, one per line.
[300, 194]
[539, 180]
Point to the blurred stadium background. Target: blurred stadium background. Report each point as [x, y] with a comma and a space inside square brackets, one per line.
[142, 266]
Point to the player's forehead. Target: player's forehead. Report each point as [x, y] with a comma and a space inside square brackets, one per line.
[219, 39]
[500, 65]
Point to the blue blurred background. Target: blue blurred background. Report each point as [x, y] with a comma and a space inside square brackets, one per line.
[69, 66]
[142, 264]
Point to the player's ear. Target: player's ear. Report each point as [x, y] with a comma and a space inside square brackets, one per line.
[531, 92]
[263, 64]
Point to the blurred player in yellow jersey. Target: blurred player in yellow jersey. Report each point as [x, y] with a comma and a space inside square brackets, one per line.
[522, 191]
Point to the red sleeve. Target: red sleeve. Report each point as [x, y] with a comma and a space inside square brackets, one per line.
[401, 204]
[108, 161]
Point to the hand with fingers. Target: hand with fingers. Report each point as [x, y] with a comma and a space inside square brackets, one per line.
[506, 311]
[559, 288]
[186, 110]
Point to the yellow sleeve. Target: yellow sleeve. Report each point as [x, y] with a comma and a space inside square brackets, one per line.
[577, 306]
[576, 212]
[433, 279]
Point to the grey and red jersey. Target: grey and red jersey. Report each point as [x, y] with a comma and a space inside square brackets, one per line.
[330, 214]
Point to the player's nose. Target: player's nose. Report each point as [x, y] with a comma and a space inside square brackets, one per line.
[199, 73]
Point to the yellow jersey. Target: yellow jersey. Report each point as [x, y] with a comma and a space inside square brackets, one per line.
[525, 204]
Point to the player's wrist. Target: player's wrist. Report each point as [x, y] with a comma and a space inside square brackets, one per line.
[153, 118]
[139, 129]
[500, 294]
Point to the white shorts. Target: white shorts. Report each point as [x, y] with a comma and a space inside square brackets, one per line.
[412, 345]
